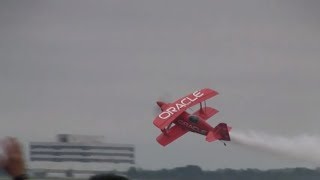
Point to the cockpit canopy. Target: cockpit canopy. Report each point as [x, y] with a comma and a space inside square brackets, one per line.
[193, 119]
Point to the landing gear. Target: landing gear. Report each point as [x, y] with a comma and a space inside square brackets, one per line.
[224, 143]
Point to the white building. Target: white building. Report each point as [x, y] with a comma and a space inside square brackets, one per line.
[81, 153]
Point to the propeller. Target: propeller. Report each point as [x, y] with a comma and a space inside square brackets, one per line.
[156, 110]
[166, 97]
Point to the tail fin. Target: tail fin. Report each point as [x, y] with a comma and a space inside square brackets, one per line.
[220, 132]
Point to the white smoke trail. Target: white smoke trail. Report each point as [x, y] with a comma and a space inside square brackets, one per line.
[303, 147]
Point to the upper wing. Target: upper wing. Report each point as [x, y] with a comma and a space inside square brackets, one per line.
[172, 134]
[175, 109]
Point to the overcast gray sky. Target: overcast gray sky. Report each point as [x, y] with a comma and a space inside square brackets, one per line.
[97, 67]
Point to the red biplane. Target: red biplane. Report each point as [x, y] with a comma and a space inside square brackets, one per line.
[174, 120]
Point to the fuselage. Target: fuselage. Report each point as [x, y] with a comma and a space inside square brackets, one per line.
[193, 123]
[190, 122]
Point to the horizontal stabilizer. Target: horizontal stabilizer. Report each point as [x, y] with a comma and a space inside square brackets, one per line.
[212, 136]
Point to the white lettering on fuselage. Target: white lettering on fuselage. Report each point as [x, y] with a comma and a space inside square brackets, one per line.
[192, 127]
[181, 104]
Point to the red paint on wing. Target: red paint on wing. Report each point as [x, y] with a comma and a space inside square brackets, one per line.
[162, 123]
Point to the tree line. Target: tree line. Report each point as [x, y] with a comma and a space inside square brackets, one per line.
[192, 172]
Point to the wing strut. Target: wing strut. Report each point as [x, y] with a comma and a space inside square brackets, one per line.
[205, 107]
[165, 130]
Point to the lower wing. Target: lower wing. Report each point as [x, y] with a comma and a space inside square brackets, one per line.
[171, 135]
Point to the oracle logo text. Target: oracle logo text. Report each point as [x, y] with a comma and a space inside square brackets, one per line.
[184, 102]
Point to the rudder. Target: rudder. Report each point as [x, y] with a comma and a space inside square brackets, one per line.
[223, 131]
[220, 132]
